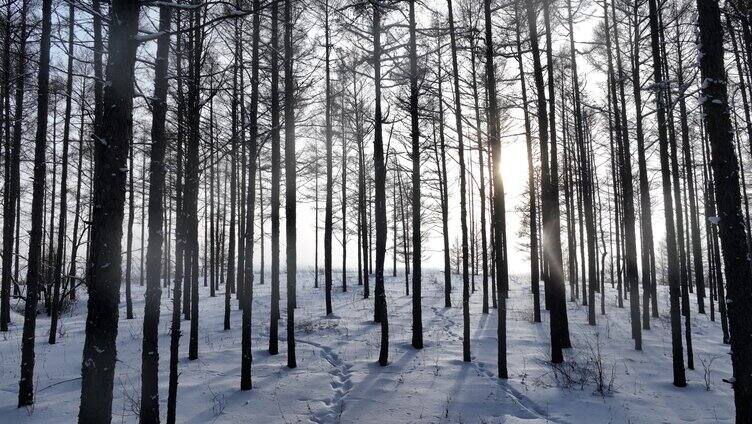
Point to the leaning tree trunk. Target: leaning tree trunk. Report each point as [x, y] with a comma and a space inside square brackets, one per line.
[731, 224]
[114, 130]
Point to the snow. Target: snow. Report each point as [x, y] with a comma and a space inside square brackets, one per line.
[339, 380]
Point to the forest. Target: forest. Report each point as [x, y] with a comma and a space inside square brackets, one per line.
[376, 211]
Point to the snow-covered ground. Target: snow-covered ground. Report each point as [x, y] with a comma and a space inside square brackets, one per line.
[338, 379]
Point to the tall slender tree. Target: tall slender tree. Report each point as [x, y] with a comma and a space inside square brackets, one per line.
[62, 219]
[417, 340]
[104, 272]
[725, 170]
[380, 312]
[149, 411]
[463, 189]
[673, 272]
[33, 275]
[328, 215]
[290, 184]
[494, 140]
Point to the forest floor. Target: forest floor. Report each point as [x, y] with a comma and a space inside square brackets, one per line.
[603, 379]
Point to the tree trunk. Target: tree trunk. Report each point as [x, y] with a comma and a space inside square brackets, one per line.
[380, 312]
[534, 272]
[498, 194]
[725, 163]
[247, 299]
[463, 190]
[290, 186]
[625, 166]
[129, 239]
[673, 272]
[58, 272]
[114, 131]
[443, 187]
[33, 277]
[417, 328]
[328, 224]
[149, 411]
[180, 238]
[192, 179]
[344, 192]
[12, 187]
[275, 174]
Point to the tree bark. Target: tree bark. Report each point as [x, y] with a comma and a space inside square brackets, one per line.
[58, 272]
[149, 411]
[33, 277]
[380, 312]
[290, 186]
[113, 133]
[417, 327]
[673, 272]
[725, 164]
[498, 211]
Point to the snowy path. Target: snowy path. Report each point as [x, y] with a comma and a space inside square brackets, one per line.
[338, 379]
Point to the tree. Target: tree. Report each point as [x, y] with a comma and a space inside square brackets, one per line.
[191, 186]
[180, 239]
[725, 163]
[149, 411]
[673, 273]
[33, 277]
[380, 312]
[247, 299]
[12, 186]
[58, 264]
[498, 192]
[625, 167]
[463, 191]
[290, 185]
[100, 352]
[328, 221]
[274, 106]
[417, 340]
[534, 272]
